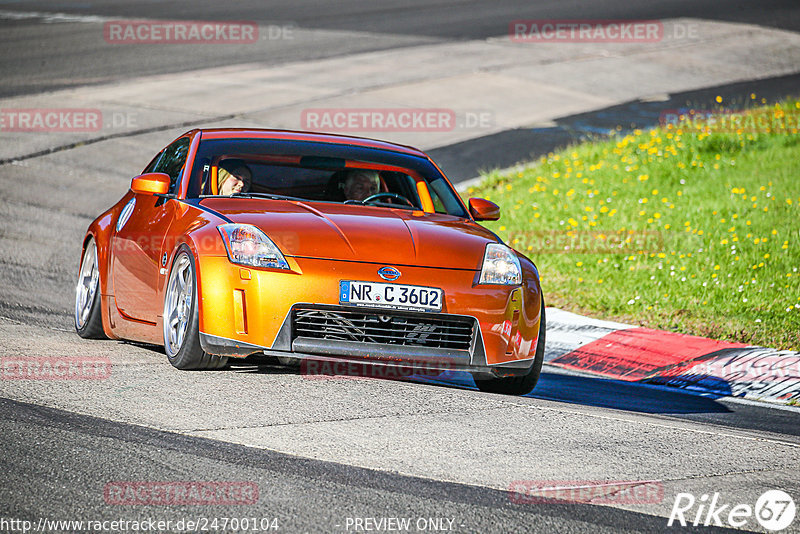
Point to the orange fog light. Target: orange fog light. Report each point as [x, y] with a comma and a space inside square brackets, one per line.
[239, 311]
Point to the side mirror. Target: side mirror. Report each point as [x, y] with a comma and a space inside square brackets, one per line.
[151, 183]
[483, 210]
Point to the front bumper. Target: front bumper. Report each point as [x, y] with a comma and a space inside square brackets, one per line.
[245, 310]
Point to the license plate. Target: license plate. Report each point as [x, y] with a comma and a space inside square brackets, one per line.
[395, 296]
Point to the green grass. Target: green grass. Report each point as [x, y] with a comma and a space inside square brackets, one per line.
[713, 222]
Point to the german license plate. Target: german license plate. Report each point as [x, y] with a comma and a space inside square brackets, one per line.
[395, 296]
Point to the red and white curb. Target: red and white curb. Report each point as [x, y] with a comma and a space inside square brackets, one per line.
[635, 354]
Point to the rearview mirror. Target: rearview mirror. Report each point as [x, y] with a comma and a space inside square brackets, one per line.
[151, 183]
[483, 210]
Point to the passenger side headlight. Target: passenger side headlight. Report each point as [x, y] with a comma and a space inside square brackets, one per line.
[247, 245]
[500, 266]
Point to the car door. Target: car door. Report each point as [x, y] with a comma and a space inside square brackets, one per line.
[137, 242]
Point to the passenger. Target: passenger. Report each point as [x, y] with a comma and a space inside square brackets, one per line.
[360, 184]
[233, 177]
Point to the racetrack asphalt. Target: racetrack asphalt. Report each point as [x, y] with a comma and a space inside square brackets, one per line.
[321, 451]
[82, 454]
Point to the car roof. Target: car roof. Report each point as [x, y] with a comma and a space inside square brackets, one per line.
[259, 133]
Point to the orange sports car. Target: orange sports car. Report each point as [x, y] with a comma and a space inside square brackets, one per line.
[310, 247]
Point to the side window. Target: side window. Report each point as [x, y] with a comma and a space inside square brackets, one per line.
[173, 160]
[152, 164]
[443, 200]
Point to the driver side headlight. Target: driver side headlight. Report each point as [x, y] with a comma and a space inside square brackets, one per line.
[500, 266]
[247, 245]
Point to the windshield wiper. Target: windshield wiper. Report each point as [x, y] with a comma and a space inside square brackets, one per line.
[378, 203]
[270, 196]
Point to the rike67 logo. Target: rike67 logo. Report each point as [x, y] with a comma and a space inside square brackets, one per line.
[774, 510]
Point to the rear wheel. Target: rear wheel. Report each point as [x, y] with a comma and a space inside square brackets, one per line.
[88, 317]
[181, 323]
[519, 385]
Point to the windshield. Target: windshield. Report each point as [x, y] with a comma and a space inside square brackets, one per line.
[320, 172]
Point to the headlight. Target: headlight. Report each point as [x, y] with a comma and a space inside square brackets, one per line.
[247, 245]
[500, 266]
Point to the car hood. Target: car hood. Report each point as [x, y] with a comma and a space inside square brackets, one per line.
[362, 233]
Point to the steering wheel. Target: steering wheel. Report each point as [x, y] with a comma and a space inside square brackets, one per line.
[394, 196]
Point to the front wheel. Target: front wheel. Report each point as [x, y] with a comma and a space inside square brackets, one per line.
[181, 323]
[519, 385]
[88, 317]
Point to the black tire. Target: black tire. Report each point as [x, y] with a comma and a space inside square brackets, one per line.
[519, 385]
[190, 355]
[89, 326]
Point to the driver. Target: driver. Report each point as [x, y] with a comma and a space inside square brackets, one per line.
[233, 177]
[360, 184]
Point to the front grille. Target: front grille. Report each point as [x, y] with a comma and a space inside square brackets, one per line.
[388, 328]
